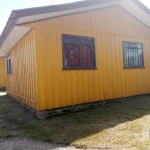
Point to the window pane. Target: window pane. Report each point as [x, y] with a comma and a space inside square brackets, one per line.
[90, 56]
[140, 55]
[8, 65]
[139, 45]
[70, 39]
[133, 54]
[74, 55]
[71, 55]
[84, 40]
[126, 45]
[83, 56]
[131, 57]
[86, 56]
[133, 45]
[126, 56]
[66, 55]
[78, 51]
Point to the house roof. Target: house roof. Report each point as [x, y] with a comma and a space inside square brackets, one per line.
[12, 32]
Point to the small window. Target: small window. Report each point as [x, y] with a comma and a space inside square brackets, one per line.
[9, 65]
[78, 52]
[133, 55]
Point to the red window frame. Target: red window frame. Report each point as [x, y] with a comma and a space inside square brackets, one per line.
[78, 52]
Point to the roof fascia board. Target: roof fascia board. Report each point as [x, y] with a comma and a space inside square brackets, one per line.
[136, 11]
[33, 18]
[60, 7]
[142, 6]
[15, 21]
[16, 34]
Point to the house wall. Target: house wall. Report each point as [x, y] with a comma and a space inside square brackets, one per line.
[2, 73]
[21, 85]
[109, 26]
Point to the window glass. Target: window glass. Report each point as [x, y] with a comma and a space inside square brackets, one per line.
[8, 64]
[78, 52]
[139, 45]
[133, 55]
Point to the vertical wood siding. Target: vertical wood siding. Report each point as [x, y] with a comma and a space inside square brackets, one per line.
[109, 27]
[21, 85]
[2, 73]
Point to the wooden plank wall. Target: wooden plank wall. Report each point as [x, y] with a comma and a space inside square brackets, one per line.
[2, 73]
[21, 85]
[109, 26]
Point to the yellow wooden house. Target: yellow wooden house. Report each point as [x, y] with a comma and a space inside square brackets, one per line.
[78, 53]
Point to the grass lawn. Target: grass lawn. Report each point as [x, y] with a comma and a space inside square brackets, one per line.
[124, 125]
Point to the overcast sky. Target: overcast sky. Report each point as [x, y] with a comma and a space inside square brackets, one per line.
[6, 6]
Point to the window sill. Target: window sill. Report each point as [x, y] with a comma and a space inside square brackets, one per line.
[134, 67]
[9, 74]
[93, 68]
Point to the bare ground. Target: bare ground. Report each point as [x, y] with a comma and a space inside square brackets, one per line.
[123, 126]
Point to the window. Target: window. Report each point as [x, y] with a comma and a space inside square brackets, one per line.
[133, 55]
[8, 64]
[78, 52]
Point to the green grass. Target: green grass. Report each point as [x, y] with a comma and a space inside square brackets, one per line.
[123, 125]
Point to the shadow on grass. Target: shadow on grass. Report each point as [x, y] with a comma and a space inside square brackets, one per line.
[69, 128]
